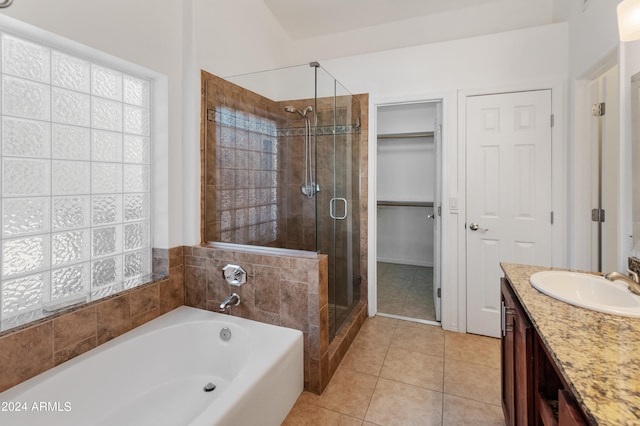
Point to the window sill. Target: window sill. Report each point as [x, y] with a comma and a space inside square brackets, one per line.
[37, 316]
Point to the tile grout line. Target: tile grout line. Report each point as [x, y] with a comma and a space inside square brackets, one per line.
[386, 354]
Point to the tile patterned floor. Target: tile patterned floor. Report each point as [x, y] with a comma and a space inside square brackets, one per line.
[406, 291]
[405, 373]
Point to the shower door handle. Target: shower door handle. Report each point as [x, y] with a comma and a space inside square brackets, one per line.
[332, 212]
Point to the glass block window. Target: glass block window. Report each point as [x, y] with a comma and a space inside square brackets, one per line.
[75, 178]
[247, 172]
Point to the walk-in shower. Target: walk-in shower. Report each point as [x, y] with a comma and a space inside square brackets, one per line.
[282, 169]
[309, 188]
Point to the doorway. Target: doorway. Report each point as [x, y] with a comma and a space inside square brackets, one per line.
[509, 197]
[408, 176]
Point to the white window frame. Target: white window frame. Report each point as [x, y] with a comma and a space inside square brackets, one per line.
[158, 132]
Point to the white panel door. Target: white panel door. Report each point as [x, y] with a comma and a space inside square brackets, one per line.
[508, 190]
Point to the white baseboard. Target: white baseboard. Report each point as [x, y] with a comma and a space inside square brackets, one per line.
[406, 262]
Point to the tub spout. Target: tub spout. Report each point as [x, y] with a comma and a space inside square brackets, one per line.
[233, 300]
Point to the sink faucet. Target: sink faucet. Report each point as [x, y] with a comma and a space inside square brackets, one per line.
[632, 280]
[233, 300]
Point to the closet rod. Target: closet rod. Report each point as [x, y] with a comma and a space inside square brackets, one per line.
[405, 204]
[406, 135]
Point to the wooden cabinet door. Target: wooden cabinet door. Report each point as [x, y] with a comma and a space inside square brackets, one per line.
[508, 353]
[568, 413]
[517, 361]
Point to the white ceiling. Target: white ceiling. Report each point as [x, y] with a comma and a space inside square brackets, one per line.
[310, 18]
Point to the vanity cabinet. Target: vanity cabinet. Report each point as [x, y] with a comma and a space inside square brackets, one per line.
[533, 390]
[516, 354]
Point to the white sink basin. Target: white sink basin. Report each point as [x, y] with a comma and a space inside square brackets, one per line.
[588, 291]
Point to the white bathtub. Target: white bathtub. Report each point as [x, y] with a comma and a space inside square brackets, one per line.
[155, 375]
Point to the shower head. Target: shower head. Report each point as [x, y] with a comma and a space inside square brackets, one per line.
[303, 114]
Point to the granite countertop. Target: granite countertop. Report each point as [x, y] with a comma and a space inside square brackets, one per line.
[598, 354]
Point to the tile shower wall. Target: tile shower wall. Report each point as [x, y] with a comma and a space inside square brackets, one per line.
[296, 214]
[237, 176]
[280, 290]
[32, 349]
[244, 166]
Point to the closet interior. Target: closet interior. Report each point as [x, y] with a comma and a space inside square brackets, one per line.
[407, 196]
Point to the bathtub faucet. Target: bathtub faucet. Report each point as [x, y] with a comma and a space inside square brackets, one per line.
[233, 300]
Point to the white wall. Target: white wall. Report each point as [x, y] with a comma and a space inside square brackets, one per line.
[593, 33]
[530, 58]
[239, 36]
[522, 58]
[594, 46]
[493, 17]
[491, 61]
[228, 37]
[147, 33]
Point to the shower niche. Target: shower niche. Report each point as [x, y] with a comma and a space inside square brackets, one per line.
[281, 169]
[408, 220]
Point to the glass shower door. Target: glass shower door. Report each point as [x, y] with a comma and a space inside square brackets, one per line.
[337, 142]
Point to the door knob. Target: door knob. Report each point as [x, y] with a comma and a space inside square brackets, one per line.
[476, 227]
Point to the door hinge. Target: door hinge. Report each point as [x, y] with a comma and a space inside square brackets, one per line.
[439, 211]
[211, 114]
[439, 292]
[598, 110]
[597, 215]
[551, 218]
[553, 120]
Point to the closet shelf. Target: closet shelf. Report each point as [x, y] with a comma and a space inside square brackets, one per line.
[406, 135]
[405, 203]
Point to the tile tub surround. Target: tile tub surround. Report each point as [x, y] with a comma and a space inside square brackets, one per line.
[195, 279]
[281, 290]
[598, 354]
[36, 347]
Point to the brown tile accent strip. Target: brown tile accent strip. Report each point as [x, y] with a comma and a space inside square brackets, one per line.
[25, 354]
[341, 343]
[32, 349]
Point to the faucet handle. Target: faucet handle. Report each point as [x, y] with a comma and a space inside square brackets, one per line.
[633, 275]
